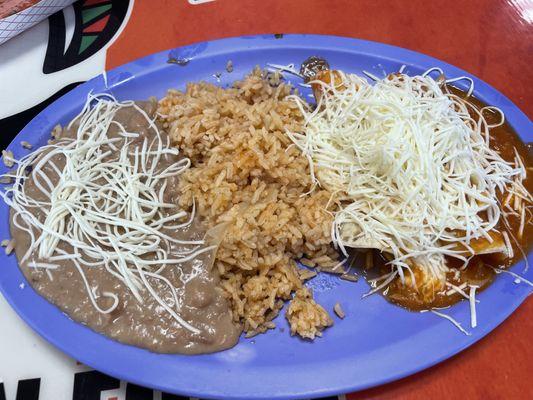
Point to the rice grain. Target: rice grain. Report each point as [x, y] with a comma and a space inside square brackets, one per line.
[246, 175]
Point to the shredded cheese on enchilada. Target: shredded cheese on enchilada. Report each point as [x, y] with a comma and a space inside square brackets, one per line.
[414, 172]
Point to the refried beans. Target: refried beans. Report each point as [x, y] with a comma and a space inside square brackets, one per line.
[146, 324]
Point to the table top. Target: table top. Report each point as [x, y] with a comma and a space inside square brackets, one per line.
[492, 39]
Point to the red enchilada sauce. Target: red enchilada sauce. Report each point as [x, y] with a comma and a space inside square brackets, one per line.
[479, 271]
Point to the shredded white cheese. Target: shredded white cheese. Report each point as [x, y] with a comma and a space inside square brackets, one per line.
[414, 171]
[516, 276]
[283, 68]
[510, 252]
[452, 320]
[383, 285]
[472, 299]
[111, 210]
[457, 289]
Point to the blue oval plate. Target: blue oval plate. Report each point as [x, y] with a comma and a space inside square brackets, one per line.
[376, 343]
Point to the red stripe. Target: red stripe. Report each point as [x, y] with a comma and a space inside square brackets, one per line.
[93, 2]
[97, 26]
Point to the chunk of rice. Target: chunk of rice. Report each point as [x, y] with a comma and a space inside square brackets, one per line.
[249, 181]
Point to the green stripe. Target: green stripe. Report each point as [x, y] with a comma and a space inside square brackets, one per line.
[86, 41]
[93, 12]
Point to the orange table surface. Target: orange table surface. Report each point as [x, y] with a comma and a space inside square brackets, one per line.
[492, 39]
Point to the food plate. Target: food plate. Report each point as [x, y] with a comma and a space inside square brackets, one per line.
[376, 343]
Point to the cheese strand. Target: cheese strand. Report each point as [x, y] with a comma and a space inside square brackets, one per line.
[414, 172]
